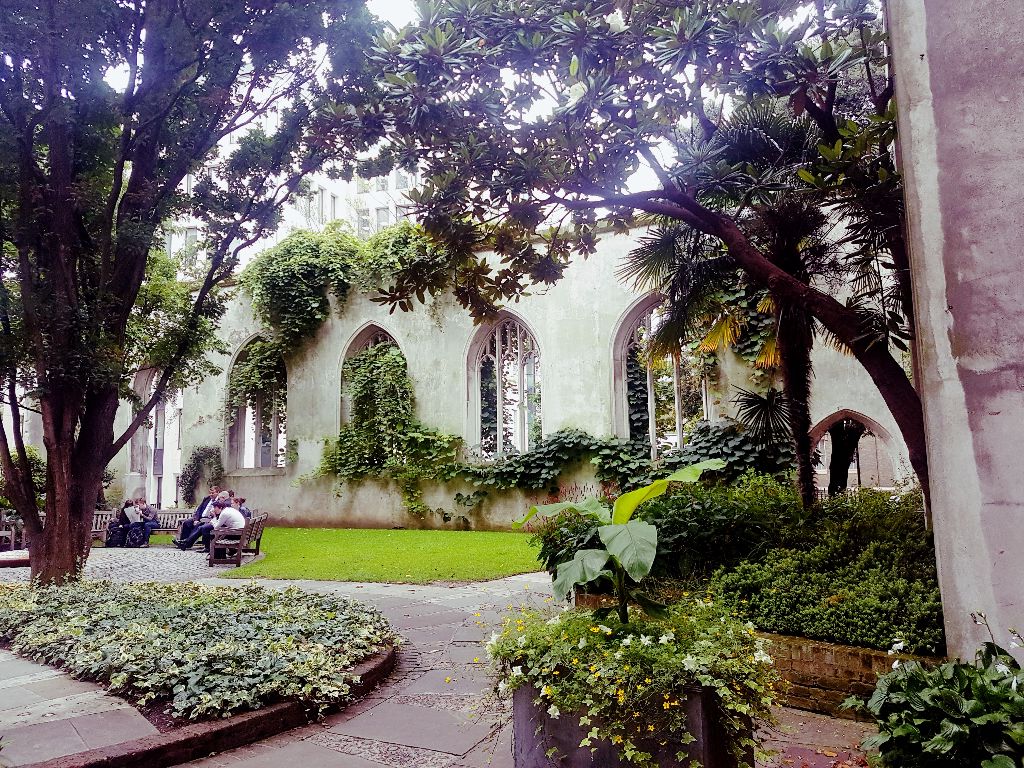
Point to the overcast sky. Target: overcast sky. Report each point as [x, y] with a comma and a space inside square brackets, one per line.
[398, 12]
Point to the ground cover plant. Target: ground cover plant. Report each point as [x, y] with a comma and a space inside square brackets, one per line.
[206, 651]
[410, 556]
[954, 714]
[628, 681]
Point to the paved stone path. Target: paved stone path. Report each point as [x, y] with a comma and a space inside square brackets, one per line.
[437, 710]
[45, 713]
[129, 565]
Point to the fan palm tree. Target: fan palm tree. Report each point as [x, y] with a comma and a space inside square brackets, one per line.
[746, 167]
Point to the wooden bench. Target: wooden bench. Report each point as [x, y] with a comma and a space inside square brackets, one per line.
[170, 521]
[229, 545]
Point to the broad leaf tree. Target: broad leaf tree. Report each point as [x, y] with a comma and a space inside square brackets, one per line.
[106, 106]
[555, 117]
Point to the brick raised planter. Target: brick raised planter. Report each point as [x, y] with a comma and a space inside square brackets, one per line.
[821, 675]
[535, 733]
[202, 739]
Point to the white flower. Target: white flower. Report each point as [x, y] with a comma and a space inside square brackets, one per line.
[896, 664]
[667, 638]
[1013, 684]
[1002, 669]
[502, 687]
[517, 671]
[897, 645]
[627, 640]
[645, 640]
[575, 92]
[603, 628]
[494, 638]
[521, 641]
[552, 621]
[554, 711]
[689, 663]
[762, 658]
[617, 655]
[616, 21]
[582, 643]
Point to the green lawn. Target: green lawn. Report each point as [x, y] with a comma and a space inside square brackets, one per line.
[415, 557]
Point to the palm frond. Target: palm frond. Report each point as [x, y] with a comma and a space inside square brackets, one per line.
[724, 332]
[768, 356]
[765, 417]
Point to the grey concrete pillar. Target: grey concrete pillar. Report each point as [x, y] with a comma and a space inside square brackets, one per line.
[959, 66]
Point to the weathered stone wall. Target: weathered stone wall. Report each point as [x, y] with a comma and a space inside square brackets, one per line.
[575, 323]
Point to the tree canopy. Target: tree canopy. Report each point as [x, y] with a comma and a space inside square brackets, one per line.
[537, 123]
[105, 108]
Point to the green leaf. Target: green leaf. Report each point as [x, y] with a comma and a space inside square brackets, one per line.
[586, 566]
[627, 503]
[633, 545]
[589, 507]
[574, 65]
[999, 761]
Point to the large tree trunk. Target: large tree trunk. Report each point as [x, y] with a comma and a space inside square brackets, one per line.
[78, 434]
[892, 381]
[796, 339]
[845, 434]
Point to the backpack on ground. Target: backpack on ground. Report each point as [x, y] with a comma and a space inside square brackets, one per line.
[115, 534]
[136, 536]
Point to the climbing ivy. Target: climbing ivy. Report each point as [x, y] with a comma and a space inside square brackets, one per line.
[207, 456]
[289, 282]
[259, 376]
[382, 436]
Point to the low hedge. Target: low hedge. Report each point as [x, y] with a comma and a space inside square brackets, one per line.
[858, 568]
[207, 651]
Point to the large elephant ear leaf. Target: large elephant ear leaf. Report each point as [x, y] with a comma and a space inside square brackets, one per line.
[692, 473]
[627, 503]
[586, 566]
[633, 544]
[588, 507]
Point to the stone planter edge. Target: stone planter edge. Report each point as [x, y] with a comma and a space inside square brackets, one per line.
[199, 740]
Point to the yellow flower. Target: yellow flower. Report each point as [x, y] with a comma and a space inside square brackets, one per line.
[650, 727]
[447, 679]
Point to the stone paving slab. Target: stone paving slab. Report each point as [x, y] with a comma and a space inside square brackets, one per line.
[44, 713]
[165, 564]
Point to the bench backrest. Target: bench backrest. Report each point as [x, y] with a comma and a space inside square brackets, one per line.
[170, 519]
[101, 519]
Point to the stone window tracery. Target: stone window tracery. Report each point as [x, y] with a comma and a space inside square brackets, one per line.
[257, 435]
[507, 383]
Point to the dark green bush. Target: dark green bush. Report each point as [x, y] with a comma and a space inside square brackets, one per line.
[952, 716]
[702, 527]
[727, 440]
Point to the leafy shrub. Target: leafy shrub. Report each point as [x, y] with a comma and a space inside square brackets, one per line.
[202, 456]
[559, 537]
[628, 680]
[956, 714]
[702, 527]
[823, 593]
[37, 464]
[727, 440]
[210, 652]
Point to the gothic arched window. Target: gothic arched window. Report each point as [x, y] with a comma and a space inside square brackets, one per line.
[257, 403]
[505, 372]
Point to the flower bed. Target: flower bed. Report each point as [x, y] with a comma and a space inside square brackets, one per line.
[205, 651]
[628, 684]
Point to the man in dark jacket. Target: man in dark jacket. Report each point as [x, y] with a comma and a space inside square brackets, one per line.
[187, 526]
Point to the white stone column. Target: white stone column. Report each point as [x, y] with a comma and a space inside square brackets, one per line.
[959, 66]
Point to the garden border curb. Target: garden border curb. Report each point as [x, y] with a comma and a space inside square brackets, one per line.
[200, 740]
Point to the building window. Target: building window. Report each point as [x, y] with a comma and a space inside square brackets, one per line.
[506, 385]
[381, 183]
[362, 185]
[406, 213]
[655, 394]
[257, 434]
[363, 222]
[321, 203]
[403, 180]
[383, 218]
[369, 337]
[334, 207]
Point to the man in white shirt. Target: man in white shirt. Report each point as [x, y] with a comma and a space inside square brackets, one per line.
[228, 519]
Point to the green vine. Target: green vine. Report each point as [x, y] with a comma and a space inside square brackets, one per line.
[289, 283]
[383, 439]
[259, 377]
[207, 456]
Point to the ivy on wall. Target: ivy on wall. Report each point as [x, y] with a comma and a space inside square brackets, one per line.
[207, 456]
[289, 283]
[384, 440]
[259, 377]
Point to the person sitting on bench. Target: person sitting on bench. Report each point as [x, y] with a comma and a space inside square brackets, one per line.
[204, 527]
[229, 519]
[202, 515]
